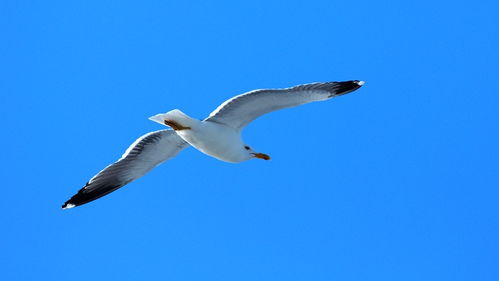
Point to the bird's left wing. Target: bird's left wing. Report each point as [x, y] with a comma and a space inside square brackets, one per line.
[142, 156]
[238, 111]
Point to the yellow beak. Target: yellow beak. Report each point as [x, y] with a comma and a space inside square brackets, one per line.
[261, 156]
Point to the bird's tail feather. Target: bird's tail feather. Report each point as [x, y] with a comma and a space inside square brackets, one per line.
[175, 116]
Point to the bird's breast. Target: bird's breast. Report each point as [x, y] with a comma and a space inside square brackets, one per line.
[216, 140]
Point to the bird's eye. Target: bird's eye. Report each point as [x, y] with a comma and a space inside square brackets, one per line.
[246, 147]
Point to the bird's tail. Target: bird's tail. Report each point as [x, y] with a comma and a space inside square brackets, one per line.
[175, 119]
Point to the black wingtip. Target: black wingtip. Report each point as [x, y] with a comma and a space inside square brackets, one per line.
[347, 87]
[73, 201]
[84, 195]
[68, 205]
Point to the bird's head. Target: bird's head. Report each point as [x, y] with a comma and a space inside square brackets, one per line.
[253, 154]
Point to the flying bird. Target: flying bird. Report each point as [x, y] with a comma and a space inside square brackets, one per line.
[219, 135]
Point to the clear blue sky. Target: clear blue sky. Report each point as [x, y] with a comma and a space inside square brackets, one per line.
[397, 181]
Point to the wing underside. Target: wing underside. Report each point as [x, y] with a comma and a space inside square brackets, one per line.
[240, 110]
[142, 156]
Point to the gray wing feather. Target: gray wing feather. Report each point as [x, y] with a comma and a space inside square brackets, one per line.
[240, 110]
[142, 156]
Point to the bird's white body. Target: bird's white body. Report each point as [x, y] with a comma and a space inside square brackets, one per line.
[211, 138]
[217, 140]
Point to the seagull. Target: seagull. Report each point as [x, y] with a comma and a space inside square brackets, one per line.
[219, 135]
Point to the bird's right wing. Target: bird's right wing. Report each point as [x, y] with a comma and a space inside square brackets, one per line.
[142, 156]
[238, 111]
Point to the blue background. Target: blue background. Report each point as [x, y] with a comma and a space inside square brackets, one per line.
[396, 181]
